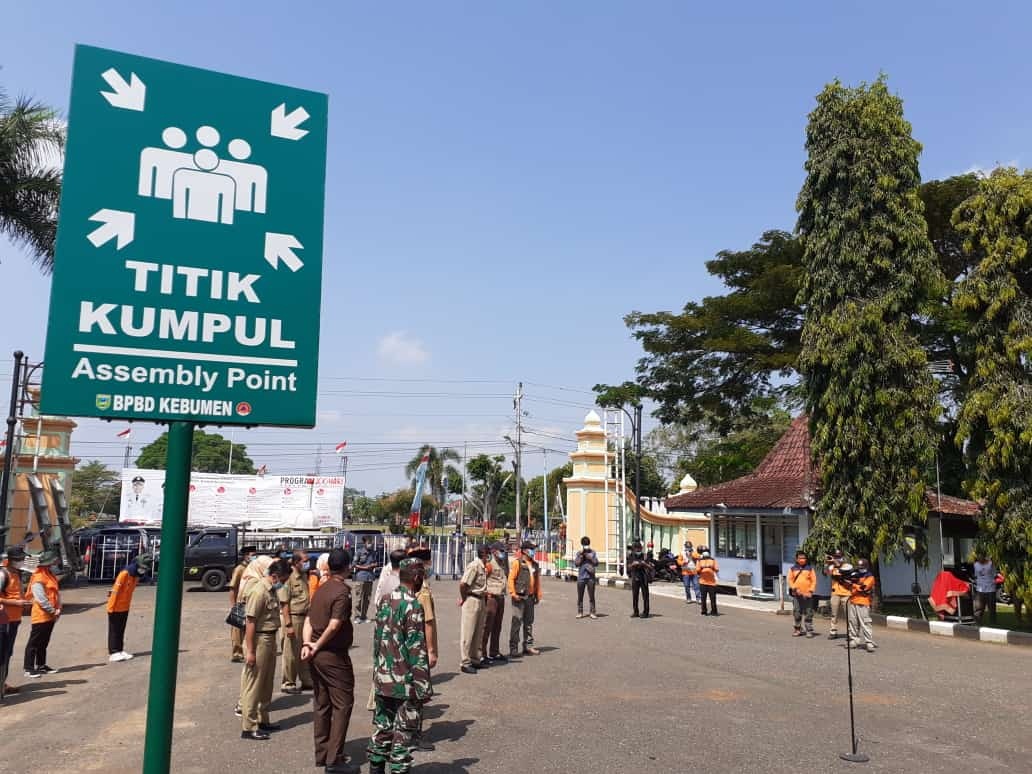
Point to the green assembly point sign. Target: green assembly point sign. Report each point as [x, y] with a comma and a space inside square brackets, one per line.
[188, 269]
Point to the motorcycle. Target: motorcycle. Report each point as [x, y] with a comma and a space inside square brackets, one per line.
[666, 569]
[1002, 597]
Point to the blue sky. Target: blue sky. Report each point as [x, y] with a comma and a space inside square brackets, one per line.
[506, 180]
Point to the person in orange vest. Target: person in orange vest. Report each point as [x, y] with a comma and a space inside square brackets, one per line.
[802, 583]
[687, 561]
[46, 609]
[119, 600]
[839, 599]
[707, 570]
[321, 573]
[862, 587]
[13, 603]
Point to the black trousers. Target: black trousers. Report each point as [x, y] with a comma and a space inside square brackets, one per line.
[5, 636]
[708, 593]
[5, 655]
[36, 649]
[116, 631]
[590, 586]
[640, 586]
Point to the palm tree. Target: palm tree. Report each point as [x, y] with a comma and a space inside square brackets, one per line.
[31, 141]
[437, 468]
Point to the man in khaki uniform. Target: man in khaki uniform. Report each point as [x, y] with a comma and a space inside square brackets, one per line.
[296, 674]
[263, 621]
[472, 589]
[236, 636]
[494, 604]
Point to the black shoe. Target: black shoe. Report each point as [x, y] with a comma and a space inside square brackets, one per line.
[484, 663]
[269, 726]
[635, 615]
[254, 736]
[645, 615]
[704, 613]
[469, 669]
[342, 767]
[423, 745]
[377, 768]
[499, 658]
[714, 613]
[237, 660]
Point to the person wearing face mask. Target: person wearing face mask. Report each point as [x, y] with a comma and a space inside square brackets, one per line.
[839, 600]
[862, 590]
[119, 600]
[236, 636]
[294, 594]
[586, 562]
[13, 604]
[802, 583]
[495, 603]
[472, 588]
[401, 673]
[525, 592]
[263, 617]
[46, 610]
[639, 569]
[328, 634]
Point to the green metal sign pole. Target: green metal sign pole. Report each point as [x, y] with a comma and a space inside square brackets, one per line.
[161, 697]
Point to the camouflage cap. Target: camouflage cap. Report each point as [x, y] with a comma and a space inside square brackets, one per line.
[411, 563]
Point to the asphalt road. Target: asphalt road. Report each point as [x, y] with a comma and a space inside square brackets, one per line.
[671, 694]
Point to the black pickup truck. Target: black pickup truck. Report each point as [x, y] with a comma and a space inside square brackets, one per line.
[210, 556]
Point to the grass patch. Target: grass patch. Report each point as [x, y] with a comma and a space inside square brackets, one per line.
[1005, 618]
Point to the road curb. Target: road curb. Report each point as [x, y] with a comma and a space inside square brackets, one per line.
[960, 631]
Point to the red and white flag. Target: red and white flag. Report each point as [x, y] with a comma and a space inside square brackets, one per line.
[340, 447]
[125, 433]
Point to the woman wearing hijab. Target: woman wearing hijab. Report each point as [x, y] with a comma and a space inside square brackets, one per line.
[263, 614]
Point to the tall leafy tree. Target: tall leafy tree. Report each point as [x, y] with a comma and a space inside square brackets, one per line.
[95, 489]
[996, 418]
[714, 358]
[31, 139]
[211, 454]
[490, 479]
[870, 268]
[535, 496]
[437, 468]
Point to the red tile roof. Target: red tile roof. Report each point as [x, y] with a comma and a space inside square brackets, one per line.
[782, 480]
[785, 479]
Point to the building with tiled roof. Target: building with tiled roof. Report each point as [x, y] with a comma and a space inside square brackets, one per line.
[758, 521]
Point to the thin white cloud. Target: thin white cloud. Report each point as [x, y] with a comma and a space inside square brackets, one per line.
[398, 348]
[985, 171]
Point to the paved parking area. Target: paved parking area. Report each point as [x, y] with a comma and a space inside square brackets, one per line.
[674, 693]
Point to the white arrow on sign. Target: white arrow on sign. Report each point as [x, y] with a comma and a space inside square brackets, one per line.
[285, 124]
[129, 96]
[116, 224]
[280, 247]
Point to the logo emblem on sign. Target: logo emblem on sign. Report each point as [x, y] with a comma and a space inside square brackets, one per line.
[243, 408]
[103, 402]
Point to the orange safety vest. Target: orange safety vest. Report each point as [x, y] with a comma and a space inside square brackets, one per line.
[46, 577]
[13, 593]
[121, 595]
[707, 570]
[313, 583]
[860, 586]
[802, 580]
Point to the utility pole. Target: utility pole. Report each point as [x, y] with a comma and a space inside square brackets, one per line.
[318, 460]
[12, 421]
[517, 404]
[544, 497]
[637, 469]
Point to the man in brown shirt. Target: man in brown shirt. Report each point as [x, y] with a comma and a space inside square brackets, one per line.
[328, 634]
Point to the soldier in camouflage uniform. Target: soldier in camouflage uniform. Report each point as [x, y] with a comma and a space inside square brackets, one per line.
[401, 673]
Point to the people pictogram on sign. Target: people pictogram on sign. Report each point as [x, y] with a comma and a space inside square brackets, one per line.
[201, 185]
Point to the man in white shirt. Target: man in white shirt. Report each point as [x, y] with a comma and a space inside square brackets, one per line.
[985, 588]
